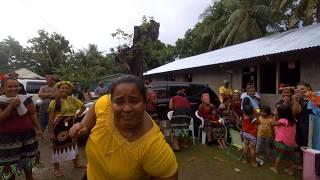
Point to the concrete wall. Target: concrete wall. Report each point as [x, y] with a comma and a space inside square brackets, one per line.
[214, 76]
[310, 72]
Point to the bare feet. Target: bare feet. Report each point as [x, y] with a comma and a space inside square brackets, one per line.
[254, 164]
[273, 169]
[245, 161]
[288, 171]
[58, 173]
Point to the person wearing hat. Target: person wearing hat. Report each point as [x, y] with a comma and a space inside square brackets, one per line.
[62, 113]
[46, 93]
[101, 90]
[225, 90]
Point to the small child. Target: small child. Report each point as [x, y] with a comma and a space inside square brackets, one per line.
[250, 106]
[285, 143]
[265, 132]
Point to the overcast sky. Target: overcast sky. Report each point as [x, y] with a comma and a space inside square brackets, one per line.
[92, 21]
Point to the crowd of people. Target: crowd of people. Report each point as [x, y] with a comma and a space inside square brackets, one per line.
[274, 133]
[120, 131]
[122, 134]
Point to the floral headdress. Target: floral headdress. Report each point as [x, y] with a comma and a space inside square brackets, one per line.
[60, 83]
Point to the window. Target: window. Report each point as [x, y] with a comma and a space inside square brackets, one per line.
[268, 78]
[289, 73]
[249, 76]
[188, 77]
[34, 87]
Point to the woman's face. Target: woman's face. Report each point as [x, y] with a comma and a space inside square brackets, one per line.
[11, 88]
[64, 90]
[286, 92]
[302, 89]
[252, 92]
[236, 96]
[128, 105]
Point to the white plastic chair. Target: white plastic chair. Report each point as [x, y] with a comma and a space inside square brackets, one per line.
[191, 126]
[203, 132]
[201, 129]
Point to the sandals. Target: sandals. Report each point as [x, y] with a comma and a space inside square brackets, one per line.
[58, 173]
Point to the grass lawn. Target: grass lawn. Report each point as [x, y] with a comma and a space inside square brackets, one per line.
[210, 162]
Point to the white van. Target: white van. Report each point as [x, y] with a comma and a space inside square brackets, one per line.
[32, 87]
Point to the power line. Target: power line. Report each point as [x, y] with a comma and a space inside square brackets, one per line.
[35, 11]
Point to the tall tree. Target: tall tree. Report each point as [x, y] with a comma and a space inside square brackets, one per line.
[11, 54]
[144, 51]
[248, 21]
[48, 51]
[307, 11]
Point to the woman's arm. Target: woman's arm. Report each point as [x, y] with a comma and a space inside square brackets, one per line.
[171, 104]
[296, 108]
[52, 116]
[4, 114]
[87, 123]
[174, 177]
[277, 123]
[35, 120]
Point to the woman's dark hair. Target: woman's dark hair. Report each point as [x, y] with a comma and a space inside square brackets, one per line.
[57, 105]
[266, 109]
[302, 83]
[3, 82]
[181, 93]
[130, 79]
[285, 111]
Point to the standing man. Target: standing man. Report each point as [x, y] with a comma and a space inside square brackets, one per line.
[101, 90]
[225, 90]
[46, 93]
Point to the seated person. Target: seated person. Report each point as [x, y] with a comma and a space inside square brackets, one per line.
[215, 130]
[227, 113]
[180, 120]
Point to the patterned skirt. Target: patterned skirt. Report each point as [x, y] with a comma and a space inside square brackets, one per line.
[64, 148]
[18, 151]
[218, 130]
[283, 151]
[180, 122]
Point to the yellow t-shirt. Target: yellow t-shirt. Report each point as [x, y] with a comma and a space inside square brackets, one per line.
[110, 156]
[224, 90]
[264, 127]
[69, 106]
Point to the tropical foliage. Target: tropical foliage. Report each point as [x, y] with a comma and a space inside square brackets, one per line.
[229, 22]
[223, 23]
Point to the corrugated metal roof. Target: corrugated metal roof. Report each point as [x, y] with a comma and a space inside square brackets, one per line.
[301, 38]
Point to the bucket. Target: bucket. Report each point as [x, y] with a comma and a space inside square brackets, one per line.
[309, 164]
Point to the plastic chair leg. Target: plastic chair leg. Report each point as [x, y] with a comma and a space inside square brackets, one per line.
[193, 138]
[204, 136]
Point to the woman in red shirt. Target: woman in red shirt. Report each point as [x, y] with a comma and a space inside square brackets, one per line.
[180, 120]
[17, 135]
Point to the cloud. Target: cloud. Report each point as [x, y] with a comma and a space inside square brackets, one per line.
[92, 21]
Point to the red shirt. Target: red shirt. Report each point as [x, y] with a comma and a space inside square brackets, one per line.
[205, 111]
[249, 127]
[16, 123]
[151, 101]
[180, 102]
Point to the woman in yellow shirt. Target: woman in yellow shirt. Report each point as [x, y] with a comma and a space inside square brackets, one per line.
[125, 143]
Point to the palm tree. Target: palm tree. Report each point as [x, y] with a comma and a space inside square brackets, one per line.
[247, 22]
[308, 11]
